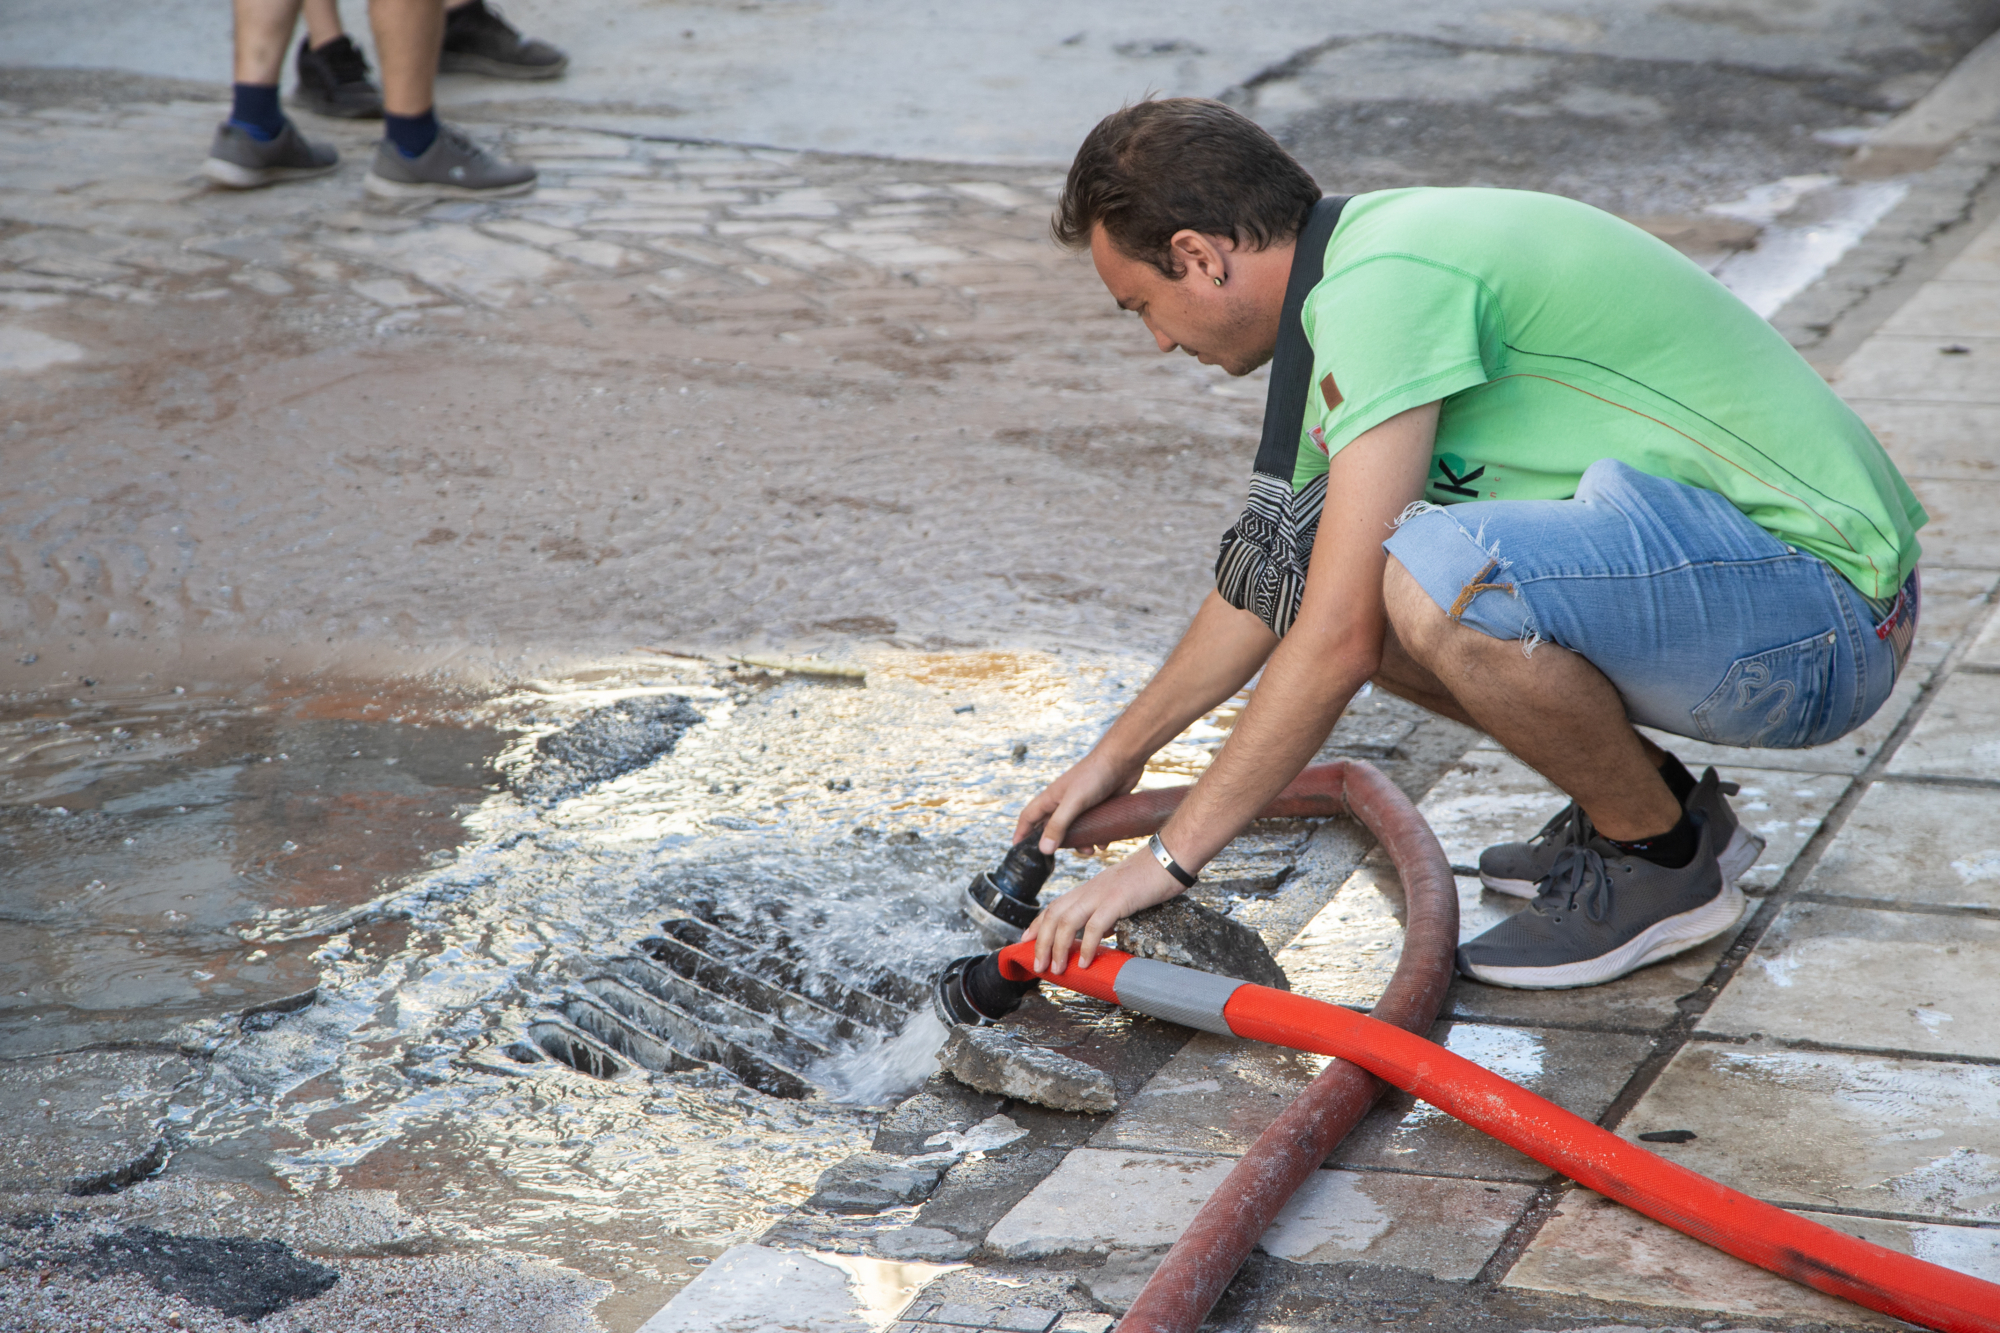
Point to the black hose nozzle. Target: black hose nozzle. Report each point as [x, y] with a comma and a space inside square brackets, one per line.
[1002, 901]
[972, 990]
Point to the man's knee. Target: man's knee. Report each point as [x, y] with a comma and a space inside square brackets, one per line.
[1418, 623]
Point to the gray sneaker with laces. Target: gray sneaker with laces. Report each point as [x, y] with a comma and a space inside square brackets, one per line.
[453, 167]
[242, 161]
[1517, 868]
[1599, 914]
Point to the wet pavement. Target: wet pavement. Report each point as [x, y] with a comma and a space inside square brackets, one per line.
[380, 800]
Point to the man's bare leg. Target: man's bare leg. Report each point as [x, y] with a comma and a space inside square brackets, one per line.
[263, 36]
[322, 22]
[1553, 710]
[408, 35]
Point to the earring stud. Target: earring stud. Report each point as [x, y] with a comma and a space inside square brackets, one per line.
[1218, 282]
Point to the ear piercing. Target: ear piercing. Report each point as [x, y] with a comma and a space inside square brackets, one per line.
[1218, 282]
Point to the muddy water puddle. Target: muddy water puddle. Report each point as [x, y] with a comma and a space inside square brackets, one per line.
[340, 898]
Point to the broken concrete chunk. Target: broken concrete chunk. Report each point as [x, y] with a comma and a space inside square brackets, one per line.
[86, 1122]
[874, 1182]
[603, 744]
[996, 1060]
[1183, 931]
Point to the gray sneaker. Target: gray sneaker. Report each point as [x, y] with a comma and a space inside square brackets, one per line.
[242, 161]
[1600, 914]
[453, 167]
[1518, 868]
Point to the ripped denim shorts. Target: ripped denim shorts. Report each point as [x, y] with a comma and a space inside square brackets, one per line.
[1709, 626]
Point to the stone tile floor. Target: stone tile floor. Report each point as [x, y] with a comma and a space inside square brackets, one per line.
[1836, 1056]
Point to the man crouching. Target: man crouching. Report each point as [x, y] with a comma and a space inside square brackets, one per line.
[1522, 464]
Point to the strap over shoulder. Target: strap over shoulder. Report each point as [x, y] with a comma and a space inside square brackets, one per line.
[1262, 565]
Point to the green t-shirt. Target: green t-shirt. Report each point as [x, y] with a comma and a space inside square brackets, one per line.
[1557, 335]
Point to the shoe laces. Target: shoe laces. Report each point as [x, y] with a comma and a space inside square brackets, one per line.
[1579, 878]
[1569, 824]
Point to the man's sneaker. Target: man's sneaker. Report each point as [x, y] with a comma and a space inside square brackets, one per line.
[242, 161]
[453, 167]
[1516, 868]
[333, 81]
[478, 41]
[1599, 914]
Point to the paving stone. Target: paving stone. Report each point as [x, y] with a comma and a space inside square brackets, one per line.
[1101, 1200]
[1953, 599]
[872, 1182]
[1846, 976]
[982, 1189]
[1964, 530]
[1947, 310]
[1594, 1247]
[1959, 733]
[89, 1122]
[1985, 650]
[1915, 1137]
[1219, 1094]
[1006, 1318]
[1850, 754]
[1918, 844]
[1917, 367]
[1934, 439]
[753, 1289]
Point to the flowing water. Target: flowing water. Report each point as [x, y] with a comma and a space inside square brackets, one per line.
[340, 897]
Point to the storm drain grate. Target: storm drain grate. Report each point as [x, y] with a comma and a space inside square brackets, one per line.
[744, 995]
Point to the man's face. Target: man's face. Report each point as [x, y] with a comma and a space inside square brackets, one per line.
[1217, 326]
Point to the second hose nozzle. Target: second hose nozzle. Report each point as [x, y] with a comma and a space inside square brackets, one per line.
[1002, 901]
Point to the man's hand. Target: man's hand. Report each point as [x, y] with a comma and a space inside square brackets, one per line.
[1089, 911]
[1089, 782]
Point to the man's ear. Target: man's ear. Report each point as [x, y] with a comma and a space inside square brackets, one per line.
[1201, 258]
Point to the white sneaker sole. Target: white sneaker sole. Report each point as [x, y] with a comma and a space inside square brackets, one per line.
[1662, 939]
[238, 177]
[1741, 853]
[384, 188]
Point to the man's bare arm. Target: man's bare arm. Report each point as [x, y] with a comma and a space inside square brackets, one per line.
[1221, 649]
[1334, 645]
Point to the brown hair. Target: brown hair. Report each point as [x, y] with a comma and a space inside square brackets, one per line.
[1150, 170]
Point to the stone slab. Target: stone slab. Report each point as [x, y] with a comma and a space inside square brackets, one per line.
[1596, 1248]
[1099, 1200]
[1985, 650]
[1848, 976]
[1959, 733]
[1969, 308]
[1875, 1133]
[89, 1122]
[1850, 754]
[1964, 530]
[1954, 600]
[1916, 843]
[1918, 368]
[1935, 439]
[753, 1289]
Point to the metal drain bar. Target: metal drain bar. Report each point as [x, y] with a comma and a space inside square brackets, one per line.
[714, 990]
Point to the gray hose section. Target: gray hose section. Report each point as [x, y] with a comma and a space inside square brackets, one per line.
[1177, 994]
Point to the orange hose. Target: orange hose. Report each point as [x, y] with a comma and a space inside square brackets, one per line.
[1733, 1222]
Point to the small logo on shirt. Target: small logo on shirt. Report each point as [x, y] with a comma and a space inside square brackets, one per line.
[1318, 436]
[1452, 468]
[1330, 391]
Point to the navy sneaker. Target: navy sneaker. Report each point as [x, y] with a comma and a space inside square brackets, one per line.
[1600, 913]
[1517, 868]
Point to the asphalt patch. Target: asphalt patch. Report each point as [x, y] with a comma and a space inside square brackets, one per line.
[603, 744]
[238, 1277]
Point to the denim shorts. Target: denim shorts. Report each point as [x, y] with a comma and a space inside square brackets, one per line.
[1708, 625]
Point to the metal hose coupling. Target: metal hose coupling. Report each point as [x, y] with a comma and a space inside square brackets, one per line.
[971, 990]
[1002, 901]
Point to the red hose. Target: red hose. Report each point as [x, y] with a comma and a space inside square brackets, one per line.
[1216, 1243]
[1752, 1230]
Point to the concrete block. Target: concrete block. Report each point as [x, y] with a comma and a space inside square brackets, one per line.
[997, 1060]
[1186, 933]
[873, 1182]
[1916, 1137]
[752, 1289]
[87, 1122]
[1596, 1248]
[1916, 844]
[1099, 1201]
[1846, 976]
[1934, 439]
[1964, 529]
[1959, 733]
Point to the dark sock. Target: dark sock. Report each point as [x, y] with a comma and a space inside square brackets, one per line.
[1679, 781]
[412, 135]
[254, 109]
[1672, 849]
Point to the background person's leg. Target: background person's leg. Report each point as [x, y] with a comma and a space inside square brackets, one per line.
[323, 21]
[263, 37]
[419, 158]
[408, 35]
[257, 145]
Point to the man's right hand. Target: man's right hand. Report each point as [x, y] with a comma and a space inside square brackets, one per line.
[1089, 782]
